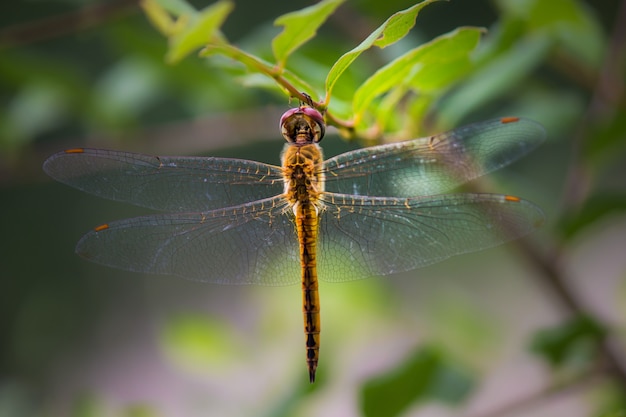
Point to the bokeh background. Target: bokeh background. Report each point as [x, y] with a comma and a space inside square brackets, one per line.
[78, 339]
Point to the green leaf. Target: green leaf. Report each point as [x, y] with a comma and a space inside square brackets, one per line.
[391, 31]
[569, 23]
[198, 31]
[426, 375]
[255, 64]
[499, 75]
[417, 109]
[159, 17]
[573, 342]
[176, 7]
[386, 113]
[252, 62]
[442, 59]
[299, 27]
[447, 59]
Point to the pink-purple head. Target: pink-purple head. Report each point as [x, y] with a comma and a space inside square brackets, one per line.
[302, 125]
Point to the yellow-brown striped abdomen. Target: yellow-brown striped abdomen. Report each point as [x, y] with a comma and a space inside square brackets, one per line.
[303, 184]
[306, 223]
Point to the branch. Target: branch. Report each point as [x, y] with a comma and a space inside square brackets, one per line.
[63, 24]
[607, 94]
[582, 381]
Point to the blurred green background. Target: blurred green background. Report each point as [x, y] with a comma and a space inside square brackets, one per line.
[452, 339]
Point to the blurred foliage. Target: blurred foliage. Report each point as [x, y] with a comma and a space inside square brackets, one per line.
[612, 400]
[571, 344]
[427, 375]
[197, 343]
[595, 208]
[430, 68]
[541, 59]
[89, 406]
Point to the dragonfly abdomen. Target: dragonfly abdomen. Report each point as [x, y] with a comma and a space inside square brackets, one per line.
[307, 227]
[303, 184]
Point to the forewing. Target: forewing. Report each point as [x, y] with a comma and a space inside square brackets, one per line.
[435, 164]
[174, 183]
[249, 244]
[365, 236]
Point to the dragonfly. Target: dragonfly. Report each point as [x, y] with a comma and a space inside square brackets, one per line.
[373, 211]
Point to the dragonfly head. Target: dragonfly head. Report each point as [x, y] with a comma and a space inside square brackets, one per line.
[302, 125]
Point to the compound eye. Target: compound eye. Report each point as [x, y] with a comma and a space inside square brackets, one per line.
[317, 117]
[293, 119]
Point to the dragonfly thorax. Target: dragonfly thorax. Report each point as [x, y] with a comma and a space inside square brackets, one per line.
[302, 173]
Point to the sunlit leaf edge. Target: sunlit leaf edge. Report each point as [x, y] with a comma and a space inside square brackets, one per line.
[198, 32]
[299, 27]
[375, 38]
[461, 42]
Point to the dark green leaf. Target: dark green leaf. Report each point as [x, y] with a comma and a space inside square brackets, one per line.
[299, 27]
[495, 78]
[394, 29]
[573, 342]
[572, 25]
[426, 375]
[440, 59]
[254, 64]
[159, 16]
[198, 31]
[176, 7]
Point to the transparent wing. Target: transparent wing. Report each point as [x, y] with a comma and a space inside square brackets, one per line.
[250, 244]
[435, 164]
[359, 237]
[365, 236]
[179, 184]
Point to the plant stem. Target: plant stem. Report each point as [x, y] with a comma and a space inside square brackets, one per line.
[582, 381]
[66, 23]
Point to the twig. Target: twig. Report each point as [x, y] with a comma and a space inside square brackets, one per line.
[553, 277]
[63, 24]
[551, 273]
[580, 382]
[607, 95]
[608, 92]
